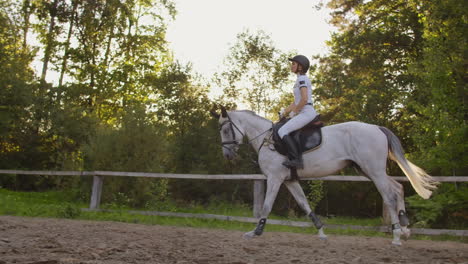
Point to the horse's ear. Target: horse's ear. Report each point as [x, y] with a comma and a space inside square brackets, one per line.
[223, 111]
[214, 114]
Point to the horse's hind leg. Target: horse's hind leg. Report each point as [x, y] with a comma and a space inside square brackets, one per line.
[390, 197]
[296, 190]
[400, 208]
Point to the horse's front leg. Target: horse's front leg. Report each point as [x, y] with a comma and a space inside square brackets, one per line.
[273, 186]
[296, 190]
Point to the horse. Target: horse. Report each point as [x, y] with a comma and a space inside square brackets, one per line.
[364, 145]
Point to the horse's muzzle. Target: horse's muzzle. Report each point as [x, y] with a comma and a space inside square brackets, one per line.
[229, 154]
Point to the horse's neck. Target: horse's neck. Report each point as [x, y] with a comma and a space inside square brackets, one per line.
[253, 126]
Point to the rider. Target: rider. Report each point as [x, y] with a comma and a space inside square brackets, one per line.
[301, 110]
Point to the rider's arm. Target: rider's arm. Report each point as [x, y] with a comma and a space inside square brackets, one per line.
[303, 100]
[289, 109]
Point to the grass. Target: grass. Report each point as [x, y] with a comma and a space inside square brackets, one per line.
[59, 204]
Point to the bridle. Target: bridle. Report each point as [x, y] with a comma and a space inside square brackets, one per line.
[232, 125]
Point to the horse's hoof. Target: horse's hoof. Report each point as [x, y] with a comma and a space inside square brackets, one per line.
[405, 237]
[406, 233]
[396, 243]
[324, 237]
[249, 235]
[321, 234]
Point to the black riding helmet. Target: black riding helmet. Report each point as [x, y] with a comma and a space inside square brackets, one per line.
[303, 61]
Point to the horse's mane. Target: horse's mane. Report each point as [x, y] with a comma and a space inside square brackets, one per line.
[251, 113]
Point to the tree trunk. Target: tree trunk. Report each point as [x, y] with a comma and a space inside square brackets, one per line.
[26, 15]
[67, 46]
[48, 49]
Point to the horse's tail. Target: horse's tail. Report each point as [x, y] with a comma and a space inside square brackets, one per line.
[422, 182]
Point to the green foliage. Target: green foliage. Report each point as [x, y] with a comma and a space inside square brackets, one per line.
[121, 103]
[400, 64]
[365, 78]
[16, 90]
[255, 72]
[136, 146]
[315, 194]
[447, 207]
[438, 108]
[40, 204]
[105, 73]
[183, 106]
[69, 211]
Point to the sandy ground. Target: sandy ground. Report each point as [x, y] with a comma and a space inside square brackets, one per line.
[56, 241]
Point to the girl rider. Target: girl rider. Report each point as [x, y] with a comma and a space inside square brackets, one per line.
[301, 110]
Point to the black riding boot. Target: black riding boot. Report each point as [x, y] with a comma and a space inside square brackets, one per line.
[295, 155]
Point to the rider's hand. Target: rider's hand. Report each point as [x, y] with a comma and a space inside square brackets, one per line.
[281, 113]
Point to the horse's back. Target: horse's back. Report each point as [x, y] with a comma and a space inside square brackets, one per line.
[343, 144]
[352, 128]
[355, 136]
[362, 140]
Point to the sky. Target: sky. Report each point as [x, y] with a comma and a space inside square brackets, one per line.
[204, 30]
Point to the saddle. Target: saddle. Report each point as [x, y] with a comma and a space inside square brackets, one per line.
[307, 138]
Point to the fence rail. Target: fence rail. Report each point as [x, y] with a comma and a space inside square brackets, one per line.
[259, 190]
[213, 176]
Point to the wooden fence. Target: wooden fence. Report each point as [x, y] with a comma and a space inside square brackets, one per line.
[258, 193]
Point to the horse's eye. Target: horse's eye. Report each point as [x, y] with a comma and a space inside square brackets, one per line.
[225, 132]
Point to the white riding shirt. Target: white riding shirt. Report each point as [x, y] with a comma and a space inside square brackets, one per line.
[302, 81]
[307, 113]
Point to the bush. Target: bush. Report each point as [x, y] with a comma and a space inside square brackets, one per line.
[315, 194]
[69, 211]
[137, 146]
[447, 208]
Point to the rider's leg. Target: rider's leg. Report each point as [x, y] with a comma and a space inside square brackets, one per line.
[294, 124]
[295, 153]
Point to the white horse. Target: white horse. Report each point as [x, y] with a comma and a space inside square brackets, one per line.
[363, 144]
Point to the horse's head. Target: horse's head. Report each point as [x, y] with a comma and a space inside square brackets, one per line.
[231, 133]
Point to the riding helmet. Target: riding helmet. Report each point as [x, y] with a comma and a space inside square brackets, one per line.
[303, 61]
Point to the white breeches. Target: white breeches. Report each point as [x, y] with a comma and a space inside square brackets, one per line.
[306, 115]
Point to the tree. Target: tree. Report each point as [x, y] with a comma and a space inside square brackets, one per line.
[437, 109]
[135, 145]
[104, 52]
[400, 64]
[183, 105]
[16, 93]
[255, 72]
[366, 77]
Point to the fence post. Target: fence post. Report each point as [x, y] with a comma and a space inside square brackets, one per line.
[96, 192]
[258, 197]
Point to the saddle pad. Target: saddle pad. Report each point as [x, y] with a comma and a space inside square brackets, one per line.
[309, 138]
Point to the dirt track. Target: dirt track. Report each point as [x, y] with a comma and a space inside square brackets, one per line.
[56, 241]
